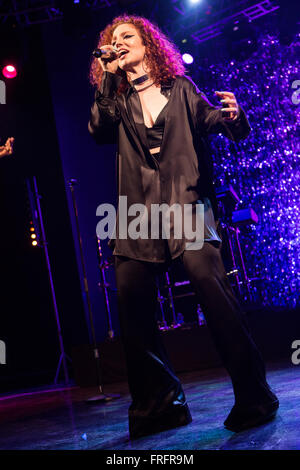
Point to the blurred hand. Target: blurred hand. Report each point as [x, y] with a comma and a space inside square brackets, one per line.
[7, 149]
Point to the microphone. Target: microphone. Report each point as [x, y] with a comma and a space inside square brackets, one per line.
[100, 52]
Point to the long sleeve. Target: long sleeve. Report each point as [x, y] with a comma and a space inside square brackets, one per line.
[105, 114]
[209, 119]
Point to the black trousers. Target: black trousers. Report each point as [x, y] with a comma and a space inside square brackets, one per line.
[150, 373]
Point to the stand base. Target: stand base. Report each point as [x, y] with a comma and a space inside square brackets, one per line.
[102, 398]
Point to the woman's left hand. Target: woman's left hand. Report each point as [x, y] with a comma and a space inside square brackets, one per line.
[230, 104]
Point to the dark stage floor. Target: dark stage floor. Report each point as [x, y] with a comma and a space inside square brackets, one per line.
[62, 420]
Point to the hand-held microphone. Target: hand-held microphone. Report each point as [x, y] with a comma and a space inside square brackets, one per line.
[100, 52]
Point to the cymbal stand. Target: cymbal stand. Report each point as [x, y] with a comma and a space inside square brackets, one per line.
[162, 323]
[245, 276]
[230, 233]
[104, 286]
[170, 298]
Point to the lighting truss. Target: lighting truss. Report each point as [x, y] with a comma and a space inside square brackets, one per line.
[201, 27]
[29, 12]
[251, 14]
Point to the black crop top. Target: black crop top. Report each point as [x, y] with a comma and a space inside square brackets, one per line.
[155, 133]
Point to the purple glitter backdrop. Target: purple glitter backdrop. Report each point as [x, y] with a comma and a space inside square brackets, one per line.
[264, 168]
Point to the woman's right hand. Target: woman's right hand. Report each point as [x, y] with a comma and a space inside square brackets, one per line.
[110, 61]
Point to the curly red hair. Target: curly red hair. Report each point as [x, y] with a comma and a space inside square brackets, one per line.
[162, 56]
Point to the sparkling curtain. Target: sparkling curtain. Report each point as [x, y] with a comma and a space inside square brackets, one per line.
[264, 169]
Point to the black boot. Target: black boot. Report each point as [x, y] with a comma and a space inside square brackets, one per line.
[244, 417]
[172, 412]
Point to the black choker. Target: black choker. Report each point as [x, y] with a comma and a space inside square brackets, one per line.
[138, 81]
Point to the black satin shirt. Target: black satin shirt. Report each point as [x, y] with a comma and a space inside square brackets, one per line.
[183, 173]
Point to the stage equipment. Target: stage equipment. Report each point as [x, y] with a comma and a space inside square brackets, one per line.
[105, 286]
[231, 220]
[33, 235]
[228, 17]
[9, 71]
[101, 397]
[170, 298]
[199, 316]
[38, 224]
[162, 324]
[244, 217]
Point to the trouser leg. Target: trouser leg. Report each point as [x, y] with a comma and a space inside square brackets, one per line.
[227, 324]
[150, 374]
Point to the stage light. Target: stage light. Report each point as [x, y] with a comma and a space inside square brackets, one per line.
[9, 71]
[33, 235]
[194, 2]
[187, 58]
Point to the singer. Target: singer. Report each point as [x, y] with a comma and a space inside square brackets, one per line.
[159, 119]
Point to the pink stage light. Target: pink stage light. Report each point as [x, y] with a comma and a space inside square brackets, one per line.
[9, 71]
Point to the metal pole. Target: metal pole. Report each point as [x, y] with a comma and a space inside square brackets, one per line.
[171, 302]
[235, 269]
[104, 285]
[246, 279]
[162, 324]
[62, 359]
[100, 397]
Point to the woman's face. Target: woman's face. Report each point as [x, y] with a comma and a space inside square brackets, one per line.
[126, 37]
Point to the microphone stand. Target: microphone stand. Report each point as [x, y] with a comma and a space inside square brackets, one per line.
[101, 397]
[35, 205]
